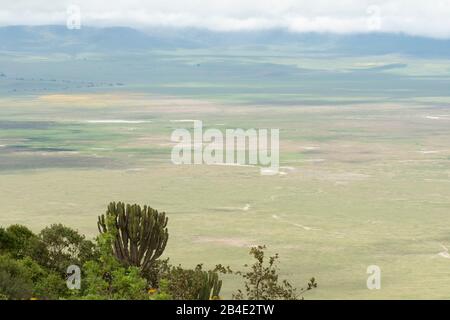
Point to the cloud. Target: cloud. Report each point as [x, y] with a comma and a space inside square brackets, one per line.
[414, 17]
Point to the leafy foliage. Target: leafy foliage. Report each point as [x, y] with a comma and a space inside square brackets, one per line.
[262, 280]
[19, 242]
[108, 279]
[34, 266]
[15, 280]
[66, 247]
[191, 284]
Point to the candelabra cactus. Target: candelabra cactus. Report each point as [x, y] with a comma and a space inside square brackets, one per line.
[139, 234]
[211, 286]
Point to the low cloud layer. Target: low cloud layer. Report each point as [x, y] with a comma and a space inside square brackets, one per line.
[414, 17]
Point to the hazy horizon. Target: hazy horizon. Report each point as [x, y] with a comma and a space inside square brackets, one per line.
[418, 18]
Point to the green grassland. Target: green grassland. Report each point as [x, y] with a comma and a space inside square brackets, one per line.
[365, 175]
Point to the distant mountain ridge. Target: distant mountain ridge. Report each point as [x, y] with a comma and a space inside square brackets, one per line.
[123, 39]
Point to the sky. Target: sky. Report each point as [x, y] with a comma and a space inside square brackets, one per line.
[430, 18]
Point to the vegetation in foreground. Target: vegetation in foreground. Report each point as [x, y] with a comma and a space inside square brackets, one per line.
[122, 263]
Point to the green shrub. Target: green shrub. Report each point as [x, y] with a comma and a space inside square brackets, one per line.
[262, 280]
[122, 264]
[108, 279]
[20, 242]
[66, 247]
[186, 284]
[15, 279]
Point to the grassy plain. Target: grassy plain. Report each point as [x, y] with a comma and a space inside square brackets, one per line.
[361, 185]
[365, 175]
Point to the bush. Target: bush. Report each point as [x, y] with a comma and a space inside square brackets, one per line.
[7, 242]
[113, 282]
[122, 264]
[66, 247]
[108, 279]
[192, 284]
[47, 284]
[23, 279]
[19, 242]
[262, 280]
[15, 280]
